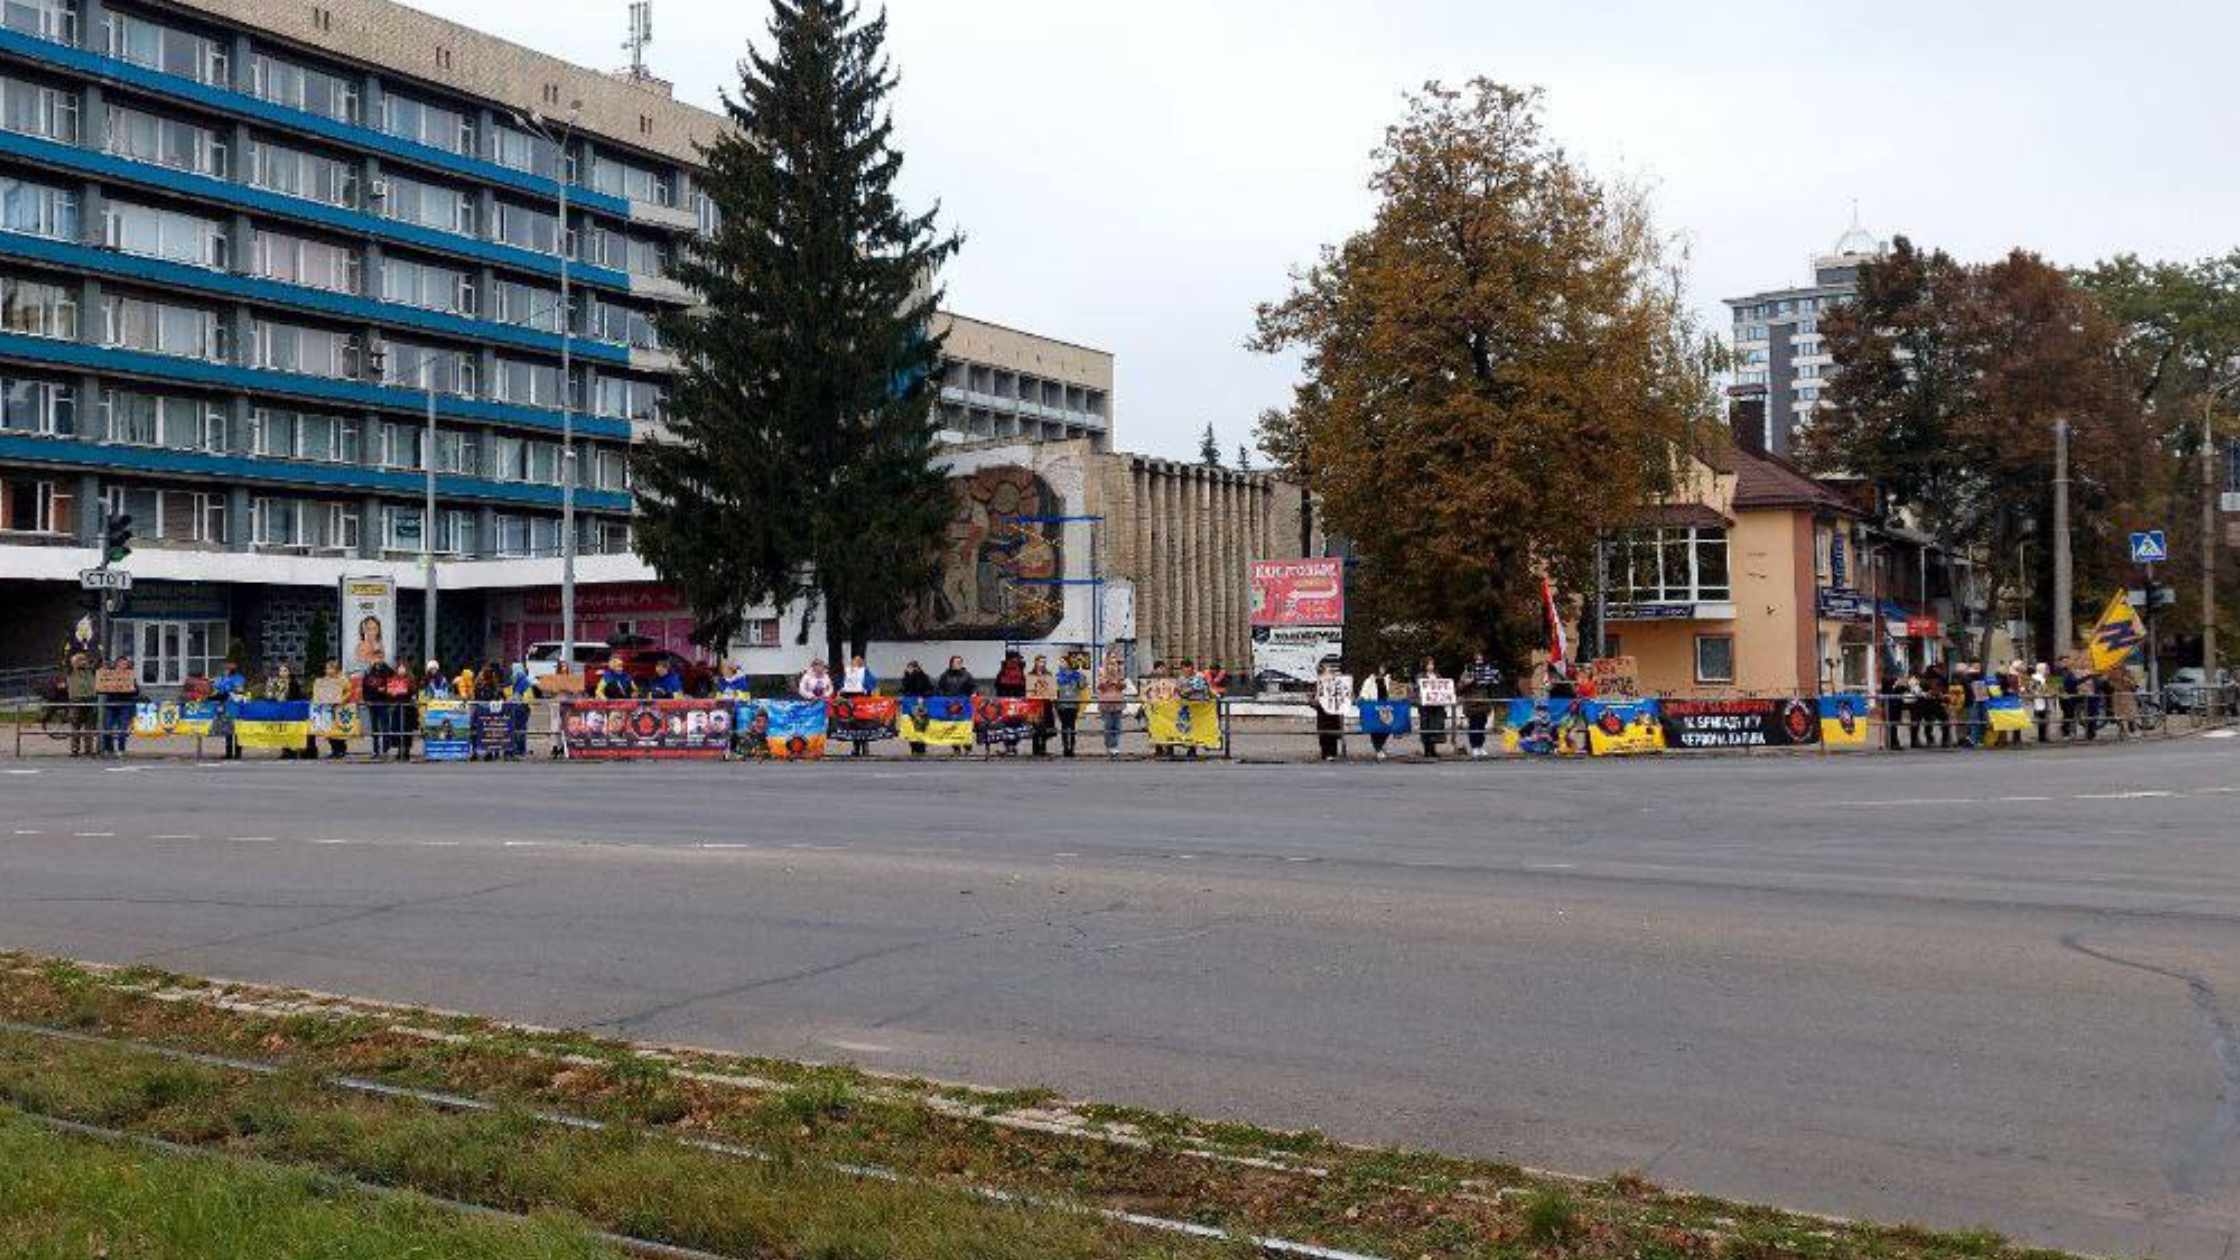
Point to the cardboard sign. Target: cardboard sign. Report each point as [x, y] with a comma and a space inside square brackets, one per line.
[1616, 677]
[330, 691]
[1435, 691]
[115, 682]
[1158, 690]
[1042, 686]
[561, 683]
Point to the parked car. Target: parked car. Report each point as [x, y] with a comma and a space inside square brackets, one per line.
[2183, 692]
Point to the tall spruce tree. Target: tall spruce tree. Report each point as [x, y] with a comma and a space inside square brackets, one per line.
[1209, 447]
[797, 468]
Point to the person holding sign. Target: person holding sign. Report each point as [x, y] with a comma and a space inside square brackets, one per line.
[1113, 689]
[1378, 688]
[1042, 689]
[1480, 682]
[1435, 696]
[119, 688]
[1333, 699]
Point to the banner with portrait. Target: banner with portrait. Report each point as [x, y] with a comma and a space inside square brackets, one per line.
[446, 729]
[612, 730]
[1555, 727]
[936, 721]
[863, 719]
[174, 717]
[272, 723]
[1006, 720]
[1623, 727]
[369, 621]
[791, 730]
[1843, 720]
[1739, 723]
[1183, 723]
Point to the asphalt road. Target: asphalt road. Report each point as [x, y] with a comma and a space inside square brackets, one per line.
[1966, 989]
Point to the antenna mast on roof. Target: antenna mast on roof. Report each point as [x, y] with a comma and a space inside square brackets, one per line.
[641, 34]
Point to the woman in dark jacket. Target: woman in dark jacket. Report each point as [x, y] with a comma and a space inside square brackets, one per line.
[958, 681]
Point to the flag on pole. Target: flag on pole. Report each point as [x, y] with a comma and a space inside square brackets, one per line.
[2118, 635]
[1559, 654]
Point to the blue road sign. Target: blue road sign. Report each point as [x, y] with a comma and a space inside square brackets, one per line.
[2149, 547]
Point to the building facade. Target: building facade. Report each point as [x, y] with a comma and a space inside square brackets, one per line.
[1001, 383]
[246, 250]
[1779, 352]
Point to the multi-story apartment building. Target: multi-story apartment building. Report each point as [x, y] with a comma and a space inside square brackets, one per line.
[240, 244]
[1779, 352]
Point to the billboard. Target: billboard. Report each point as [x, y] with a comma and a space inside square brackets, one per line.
[1292, 654]
[369, 621]
[1307, 592]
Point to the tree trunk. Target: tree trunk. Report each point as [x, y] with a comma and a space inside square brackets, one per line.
[835, 633]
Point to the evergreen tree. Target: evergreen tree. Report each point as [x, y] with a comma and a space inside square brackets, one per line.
[1209, 448]
[1244, 458]
[797, 468]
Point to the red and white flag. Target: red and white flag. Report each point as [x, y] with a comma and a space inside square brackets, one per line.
[1559, 652]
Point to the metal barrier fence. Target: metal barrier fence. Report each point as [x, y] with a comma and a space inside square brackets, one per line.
[393, 731]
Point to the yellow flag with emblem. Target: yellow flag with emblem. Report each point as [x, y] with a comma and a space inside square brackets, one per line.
[2118, 635]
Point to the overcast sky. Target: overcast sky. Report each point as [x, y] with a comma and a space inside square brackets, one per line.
[1136, 175]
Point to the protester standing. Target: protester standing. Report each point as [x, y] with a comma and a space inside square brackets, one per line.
[1041, 690]
[1931, 711]
[2045, 694]
[373, 688]
[958, 682]
[435, 684]
[117, 708]
[1432, 717]
[1073, 688]
[344, 690]
[1378, 687]
[404, 689]
[916, 685]
[858, 681]
[615, 682]
[1113, 689]
[84, 698]
[1011, 677]
[1479, 684]
[815, 682]
[229, 689]
[1330, 712]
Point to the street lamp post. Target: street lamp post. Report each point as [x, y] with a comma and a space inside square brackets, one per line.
[428, 511]
[536, 123]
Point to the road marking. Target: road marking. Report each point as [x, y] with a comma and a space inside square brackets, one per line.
[440, 844]
[330, 841]
[2025, 798]
[122, 769]
[26, 772]
[2209, 790]
[175, 835]
[27, 831]
[2119, 796]
[530, 844]
[250, 839]
[860, 1047]
[1550, 866]
[1065, 855]
[93, 835]
[1940, 800]
[713, 845]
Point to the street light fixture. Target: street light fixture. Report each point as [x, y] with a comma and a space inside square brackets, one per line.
[537, 123]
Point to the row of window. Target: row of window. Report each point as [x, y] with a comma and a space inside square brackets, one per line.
[1787, 306]
[45, 308]
[1677, 564]
[53, 113]
[198, 518]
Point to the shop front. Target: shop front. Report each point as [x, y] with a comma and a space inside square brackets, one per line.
[604, 612]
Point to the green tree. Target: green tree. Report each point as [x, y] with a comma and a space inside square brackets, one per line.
[1949, 380]
[1209, 447]
[797, 468]
[1499, 367]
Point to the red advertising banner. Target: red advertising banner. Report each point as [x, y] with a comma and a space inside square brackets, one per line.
[1308, 592]
[606, 600]
[613, 730]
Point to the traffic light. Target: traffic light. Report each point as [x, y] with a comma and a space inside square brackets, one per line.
[117, 539]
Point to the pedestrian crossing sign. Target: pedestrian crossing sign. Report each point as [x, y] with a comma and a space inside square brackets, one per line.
[2149, 547]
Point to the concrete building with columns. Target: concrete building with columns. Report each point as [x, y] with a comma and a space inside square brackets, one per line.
[1064, 544]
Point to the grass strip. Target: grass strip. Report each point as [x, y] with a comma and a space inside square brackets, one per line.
[1233, 1176]
[71, 1197]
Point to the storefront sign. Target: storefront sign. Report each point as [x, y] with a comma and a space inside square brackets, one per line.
[1739, 723]
[1842, 605]
[1650, 612]
[1306, 592]
[606, 600]
[1924, 628]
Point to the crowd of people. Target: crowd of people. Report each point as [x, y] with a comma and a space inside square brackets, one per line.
[1939, 709]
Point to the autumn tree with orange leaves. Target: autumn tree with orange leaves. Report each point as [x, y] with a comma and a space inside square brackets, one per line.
[1499, 367]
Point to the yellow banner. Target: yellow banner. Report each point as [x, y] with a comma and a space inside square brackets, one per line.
[2118, 635]
[1184, 723]
[914, 728]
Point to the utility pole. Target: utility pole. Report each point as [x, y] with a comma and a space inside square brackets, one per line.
[2209, 686]
[2064, 599]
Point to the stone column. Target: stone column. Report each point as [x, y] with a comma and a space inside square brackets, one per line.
[90, 420]
[486, 532]
[89, 311]
[89, 522]
[93, 118]
[371, 262]
[93, 214]
[92, 19]
[369, 526]
[237, 518]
